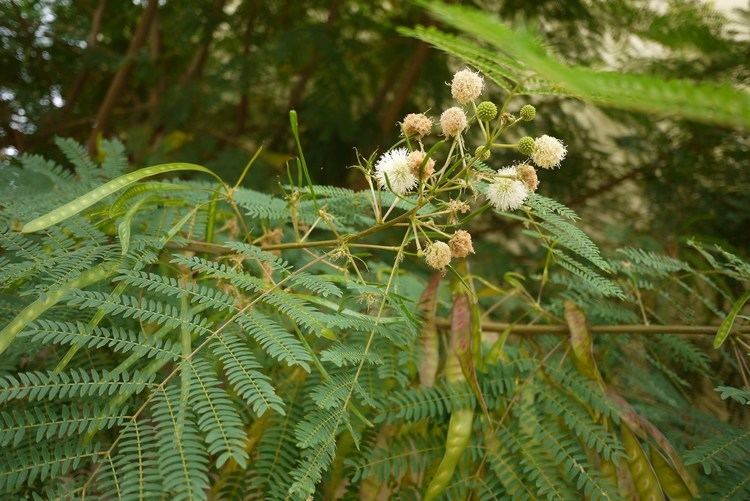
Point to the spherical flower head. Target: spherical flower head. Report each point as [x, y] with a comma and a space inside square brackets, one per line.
[548, 152]
[415, 160]
[393, 168]
[466, 86]
[527, 175]
[486, 111]
[437, 255]
[526, 146]
[507, 194]
[527, 112]
[453, 121]
[460, 244]
[416, 125]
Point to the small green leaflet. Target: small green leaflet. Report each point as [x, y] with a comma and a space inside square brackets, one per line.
[726, 326]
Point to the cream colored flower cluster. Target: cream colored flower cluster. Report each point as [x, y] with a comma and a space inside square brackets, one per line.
[438, 254]
[410, 167]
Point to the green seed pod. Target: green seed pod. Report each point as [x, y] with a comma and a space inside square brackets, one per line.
[486, 111]
[527, 112]
[646, 482]
[428, 338]
[670, 481]
[83, 202]
[459, 433]
[526, 145]
[47, 301]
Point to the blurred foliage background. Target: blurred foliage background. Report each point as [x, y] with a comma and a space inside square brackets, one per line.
[209, 81]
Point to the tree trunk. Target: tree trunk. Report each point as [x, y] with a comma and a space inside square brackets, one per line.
[411, 72]
[118, 81]
[91, 42]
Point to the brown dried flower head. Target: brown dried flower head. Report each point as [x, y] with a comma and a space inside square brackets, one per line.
[527, 174]
[460, 244]
[415, 160]
[457, 207]
[416, 124]
[437, 255]
[453, 121]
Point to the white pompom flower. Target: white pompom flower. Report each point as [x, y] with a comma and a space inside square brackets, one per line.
[394, 165]
[548, 152]
[509, 172]
[466, 86]
[507, 194]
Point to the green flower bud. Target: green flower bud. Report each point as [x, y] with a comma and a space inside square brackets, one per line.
[482, 153]
[527, 112]
[486, 111]
[526, 145]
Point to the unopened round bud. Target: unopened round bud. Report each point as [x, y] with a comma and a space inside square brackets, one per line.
[482, 153]
[527, 112]
[526, 145]
[416, 124]
[453, 121]
[486, 111]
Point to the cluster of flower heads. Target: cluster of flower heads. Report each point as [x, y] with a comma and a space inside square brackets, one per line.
[403, 169]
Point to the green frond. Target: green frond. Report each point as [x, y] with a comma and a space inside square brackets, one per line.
[347, 355]
[543, 206]
[117, 339]
[133, 472]
[417, 404]
[45, 423]
[79, 157]
[407, 453]
[574, 464]
[217, 416]
[566, 234]
[576, 418]
[220, 271]
[171, 287]
[650, 262]
[261, 206]
[741, 395]
[722, 451]
[25, 466]
[277, 455]
[507, 469]
[712, 103]
[241, 370]
[310, 467]
[585, 390]
[115, 158]
[319, 426]
[538, 466]
[145, 310]
[37, 386]
[500, 69]
[274, 339]
[183, 460]
[604, 286]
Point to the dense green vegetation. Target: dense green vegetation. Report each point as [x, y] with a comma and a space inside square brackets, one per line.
[537, 289]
